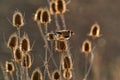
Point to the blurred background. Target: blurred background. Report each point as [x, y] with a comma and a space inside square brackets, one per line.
[79, 18]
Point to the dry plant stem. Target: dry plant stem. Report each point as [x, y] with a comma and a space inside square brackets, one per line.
[11, 76]
[21, 71]
[68, 48]
[86, 63]
[63, 21]
[90, 66]
[18, 31]
[45, 40]
[46, 47]
[52, 49]
[26, 70]
[17, 70]
[4, 73]
[60, 68]
[46, 50]
[56, 22]
[20, 66]
[7, 75]
[48, 71]
[27, 76]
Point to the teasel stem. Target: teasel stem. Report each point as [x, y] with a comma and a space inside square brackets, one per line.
[86, 63]
[56, 22]
[46, 48]
[90, 66]
[12, 78]
[63, 21]
[18, 31]
[21, 71]
[15, 63]
[45, 40]
[4, 73]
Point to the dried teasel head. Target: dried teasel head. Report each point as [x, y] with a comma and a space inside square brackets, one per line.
[50, 36]
[45, 16]
[37, 16]
[27, 61]
[53, 7]
[95, 31]
[56, 75]
[86, 47]
[18, 55]
[37, 74]
[9, 67]
[67, 62]
[67, 74]
[61, 6]
[61, 45]
[18, 19]
[13, 41]
[25, 44]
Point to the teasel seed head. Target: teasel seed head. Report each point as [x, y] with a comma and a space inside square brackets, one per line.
[67, 62]
[37, 74]
[13, 41]
[95, 31]
[25, 44]
[27, 61]
[86, 47]
[56, 75]
[38, 16]
[67, 74]
[9, 67]
[18, 55]
[18, 19]
[45, 16]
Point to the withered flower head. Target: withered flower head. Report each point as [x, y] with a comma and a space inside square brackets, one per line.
[13, 41]
[9, 67]
[86, 47]
[67, 74]
[56, 75]
[45, 16]
[37, 75]
[27, 61]
[18, 19]
[94, 31]
[67, 62]
[25, 44]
